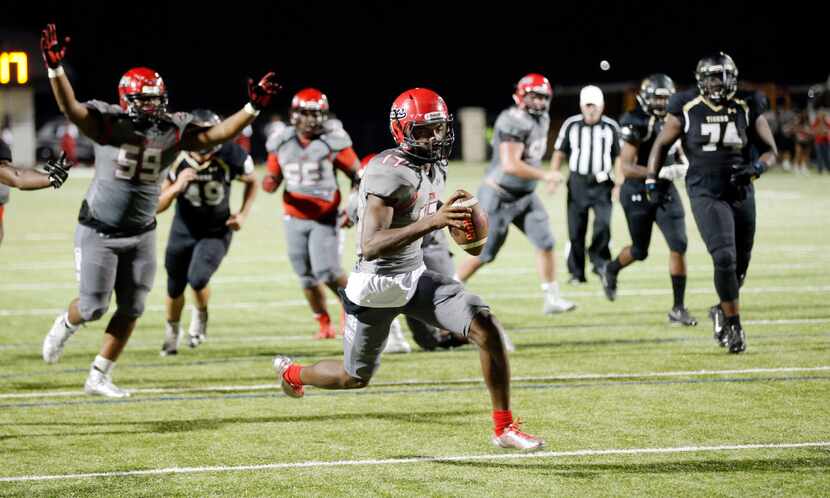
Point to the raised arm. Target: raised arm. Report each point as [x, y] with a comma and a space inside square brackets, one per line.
[260, 96]
[54, 51]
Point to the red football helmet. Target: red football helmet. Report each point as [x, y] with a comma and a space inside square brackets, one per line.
[141, 92]
[422, 125]
[309, 110]
[533, 94]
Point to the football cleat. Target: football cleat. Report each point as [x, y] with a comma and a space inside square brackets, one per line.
[555, 304]
[513, 438]
[735, 338]
[326, 331]
[100, 384]
[718, 324]
[172, 336]
[681, 316]
[609, 283]
[55, 340]
[281, 364]
[396, 342]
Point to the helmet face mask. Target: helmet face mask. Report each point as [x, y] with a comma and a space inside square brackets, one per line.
[536, 103]
[533, 94]
[309, 111]
[205, 118]
[422, 126]
[142, 94]
[717, 77]
[654, 94]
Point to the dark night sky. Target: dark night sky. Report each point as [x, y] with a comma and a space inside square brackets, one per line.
[363, 54]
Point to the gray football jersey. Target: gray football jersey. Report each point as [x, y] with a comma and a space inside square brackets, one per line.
[4, 194]
[130, 165]
[516, 125]
[415, 191]
[309, 170]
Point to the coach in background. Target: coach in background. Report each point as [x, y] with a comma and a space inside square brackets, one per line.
[591, 142]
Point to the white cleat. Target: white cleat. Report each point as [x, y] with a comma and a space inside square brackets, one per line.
[100, 384]
[513, 438]
[555, 305]
[281, 364]
[55, 340]
[172, 337]
[197, 332]
[396, 342]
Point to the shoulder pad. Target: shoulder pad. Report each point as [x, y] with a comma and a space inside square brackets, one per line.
[335, 136]
[515, 122]
[276, 140]
[103, 107]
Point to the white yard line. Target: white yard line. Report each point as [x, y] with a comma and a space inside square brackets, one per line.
[421, 460]
[427, 382]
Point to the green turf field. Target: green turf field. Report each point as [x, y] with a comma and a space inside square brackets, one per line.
[597, 383]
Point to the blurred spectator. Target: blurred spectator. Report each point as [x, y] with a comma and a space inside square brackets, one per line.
[821, 135]
[244, 138]
[69, 140]
[785, 139]
[803, 133]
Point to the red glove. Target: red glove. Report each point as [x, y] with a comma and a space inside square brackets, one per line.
[261, 93]
[270, 183]
[53, 49]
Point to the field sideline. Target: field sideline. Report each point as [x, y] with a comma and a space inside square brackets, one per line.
[628, 404]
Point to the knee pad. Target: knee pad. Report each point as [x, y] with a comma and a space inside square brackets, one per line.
[325, 276]
[639, 253]
[198, 280]
[307, 282]
[724, 259]
[93, 312]
[175, 286]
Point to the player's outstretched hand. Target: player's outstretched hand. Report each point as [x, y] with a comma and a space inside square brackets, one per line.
[53, 49]
[451, 215]
[261, 93]
[58, 170]
[235, 221]
[552, 181]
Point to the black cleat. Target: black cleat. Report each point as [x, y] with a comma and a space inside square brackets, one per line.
[681, 316]
[718, 325]
[609, 283]
[736, 338]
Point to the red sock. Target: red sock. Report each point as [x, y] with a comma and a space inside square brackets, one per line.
[501, 419]
[323, 318]
[292, 375]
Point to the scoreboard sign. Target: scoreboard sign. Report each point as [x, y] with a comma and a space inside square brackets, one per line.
[14, 68]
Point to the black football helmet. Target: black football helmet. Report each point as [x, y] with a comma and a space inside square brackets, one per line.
[654, 95]
[206, 118]
[717, 77]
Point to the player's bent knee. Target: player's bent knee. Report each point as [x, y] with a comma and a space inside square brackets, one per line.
[724, 259]
[308, 282]
[94, 312]
[327, 277]
[639, 253]
[198, 282]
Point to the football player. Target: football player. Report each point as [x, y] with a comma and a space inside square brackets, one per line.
[398, 204]
[115, 242]
[306, 157]
[203, 226]
[720, 127]
[639, 128]
[508, 192]
[57, 172]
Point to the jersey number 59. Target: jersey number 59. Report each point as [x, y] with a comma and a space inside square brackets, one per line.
[137, 163]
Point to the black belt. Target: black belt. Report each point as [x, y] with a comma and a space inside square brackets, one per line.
[86, 219]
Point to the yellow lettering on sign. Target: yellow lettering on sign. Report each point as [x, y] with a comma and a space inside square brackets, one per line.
[20, 60]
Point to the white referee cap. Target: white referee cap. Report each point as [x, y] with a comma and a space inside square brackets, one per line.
[591, 95]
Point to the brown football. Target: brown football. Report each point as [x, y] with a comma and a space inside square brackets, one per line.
[474, 235]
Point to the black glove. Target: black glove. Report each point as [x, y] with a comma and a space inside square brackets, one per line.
[53, 49]
[260, 94]
[58, 170]
[743, 174]
[654, 195]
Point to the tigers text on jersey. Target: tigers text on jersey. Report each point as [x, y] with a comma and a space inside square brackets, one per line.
[715, 136]
[413, 191]
[204, 207]
[130, 164]
[308, 169]
[516, 125]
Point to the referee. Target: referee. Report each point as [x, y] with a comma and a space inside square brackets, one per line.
[591, 142]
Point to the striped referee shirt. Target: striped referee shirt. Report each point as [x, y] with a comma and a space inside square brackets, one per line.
[591, 149]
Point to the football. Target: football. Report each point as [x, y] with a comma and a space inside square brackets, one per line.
[474, 235]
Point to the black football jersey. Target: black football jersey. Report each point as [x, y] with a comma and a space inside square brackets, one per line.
[5, 152]
[204, 207]
[715, 137]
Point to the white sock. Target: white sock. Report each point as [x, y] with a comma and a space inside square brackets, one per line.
[551, 289]
[174, 326]
[103, 365]
[68, 325]
[200, 315]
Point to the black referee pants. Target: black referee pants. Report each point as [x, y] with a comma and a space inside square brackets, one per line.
[585, 194]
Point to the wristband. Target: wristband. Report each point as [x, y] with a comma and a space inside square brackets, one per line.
[250, 109]
[54, 73]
